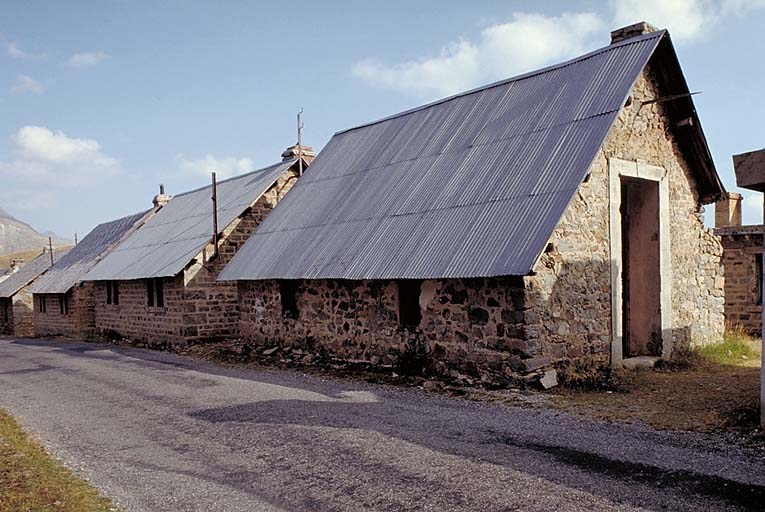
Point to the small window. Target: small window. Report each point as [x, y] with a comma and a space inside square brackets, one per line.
[112, 292]
[155, 292]
[159, 291]
[758, 276]
[288, 291]
[409, 314]
[150, 292]
[63, 304]
[41, 304]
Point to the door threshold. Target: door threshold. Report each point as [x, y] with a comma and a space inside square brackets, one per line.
[632, 363]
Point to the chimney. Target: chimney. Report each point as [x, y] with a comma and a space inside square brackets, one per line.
[638, 29]
[728, 211]
[161, 199]
[292, 152]
[16, 264]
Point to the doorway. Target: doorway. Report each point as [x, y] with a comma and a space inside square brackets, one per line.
[641, 263]
[641, 280]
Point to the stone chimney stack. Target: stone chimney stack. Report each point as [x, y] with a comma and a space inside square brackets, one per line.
[638, 29]
[16, 264]
[161, 199]
[292, 152]
[728, 211]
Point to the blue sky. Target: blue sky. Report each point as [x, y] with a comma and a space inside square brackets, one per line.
[101, 101]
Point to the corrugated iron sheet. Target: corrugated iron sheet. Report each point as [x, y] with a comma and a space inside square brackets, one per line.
[179, 231]
[71, 269]
[28, 273]
[465, 187]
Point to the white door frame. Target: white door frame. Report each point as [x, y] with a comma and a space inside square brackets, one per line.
[638, 169]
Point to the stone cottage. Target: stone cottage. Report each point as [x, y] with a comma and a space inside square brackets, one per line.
[159, 286]
[64, 302]
[552, 215]
[742, 248]
[16, 301]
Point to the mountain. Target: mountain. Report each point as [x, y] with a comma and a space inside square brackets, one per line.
[18, 236]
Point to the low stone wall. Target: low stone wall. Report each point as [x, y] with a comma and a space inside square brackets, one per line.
[467, 325]
[78, 322]
[743, 308]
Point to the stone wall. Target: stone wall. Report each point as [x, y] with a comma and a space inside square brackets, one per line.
[743, 308]
[467, 325]
[77, 322]
[196, 306]
[571, 288]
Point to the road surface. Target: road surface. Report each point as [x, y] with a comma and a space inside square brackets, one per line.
[159, 432]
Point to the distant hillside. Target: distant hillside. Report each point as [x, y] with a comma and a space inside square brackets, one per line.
[17, 236]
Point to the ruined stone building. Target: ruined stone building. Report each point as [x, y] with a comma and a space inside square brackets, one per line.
[742, 248]
[556, 214]
[63, 302]
[159, 285]
[16, 301]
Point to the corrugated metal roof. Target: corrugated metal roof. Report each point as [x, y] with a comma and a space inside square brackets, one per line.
[71, 269]
[28, 273]
[469, 186]
[179, 231]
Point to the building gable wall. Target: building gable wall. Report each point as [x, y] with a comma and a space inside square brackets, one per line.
[571, 288]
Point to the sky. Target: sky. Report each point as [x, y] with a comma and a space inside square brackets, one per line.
[100, 101]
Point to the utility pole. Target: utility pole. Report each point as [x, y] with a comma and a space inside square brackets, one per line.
[50, 249]
[300, 141]
[215, 214]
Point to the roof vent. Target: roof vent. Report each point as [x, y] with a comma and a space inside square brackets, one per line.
[630, 31]
[161, 199]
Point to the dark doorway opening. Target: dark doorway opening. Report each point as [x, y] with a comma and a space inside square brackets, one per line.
[641, 277]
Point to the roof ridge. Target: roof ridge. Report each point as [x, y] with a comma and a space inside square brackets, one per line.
[523, 76]
[238, 176]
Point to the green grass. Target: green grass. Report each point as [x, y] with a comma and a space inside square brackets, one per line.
[31, 480]
[736, 349]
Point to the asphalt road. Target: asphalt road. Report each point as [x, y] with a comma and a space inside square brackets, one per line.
[158, 432]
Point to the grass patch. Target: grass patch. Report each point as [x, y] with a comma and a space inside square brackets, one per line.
[30, 479]
[711, 389]
[736, 349]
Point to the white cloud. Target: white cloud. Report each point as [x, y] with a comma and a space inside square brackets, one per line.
[54, 159]
[530, 41]
[685, 19]
[223, 167]
[85, 59]
[525, 43]
[14, 51]
[26, 84]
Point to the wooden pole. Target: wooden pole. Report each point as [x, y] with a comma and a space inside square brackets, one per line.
[215, 215]
[50, 250]
[300, 142]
